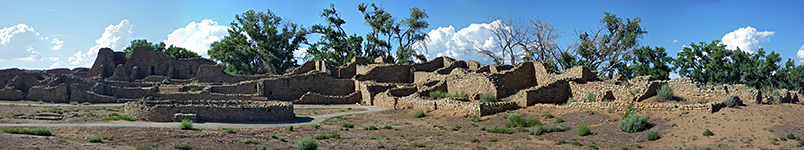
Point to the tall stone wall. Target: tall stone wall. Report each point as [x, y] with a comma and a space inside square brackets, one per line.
[293, 87]
[211, 110]
[555, 93]
[385, 73]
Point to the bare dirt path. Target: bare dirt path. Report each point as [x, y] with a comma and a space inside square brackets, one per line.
[299, 121]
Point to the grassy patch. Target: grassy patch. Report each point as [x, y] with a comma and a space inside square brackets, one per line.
[488, 97]
[228, 130]
[348, 125]
[730, 101]
[181, 146]
[653, 135]
[571, 100]
[583, 130]
[576, 143]
[186, 124]
[40, 131]
[501, 130]
[370, 128]
[387, 127]
[418, 145]
[664, 93]
[250, 141]
[516, 120]
[418, 114]
[115, 116]
[633, 123]
[95, 140]
[590, 97]
[708, 133]
[18, 114]
[330, 136]
[307, 144]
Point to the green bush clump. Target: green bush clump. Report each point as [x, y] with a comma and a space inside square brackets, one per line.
[500, 130]
[583, 130]
[228, 130]
[708, 133]
[321, 137]
[18, 114]
[664, 93]
[95, 140]
[633, 123]
[439, 95]
[348, 125]
[115, 116]
[590, 97]
[290, 128]
[250, 141]
[730, 101]
[387, 127]
[370, 128]
[418, 114]
[181, 146]
[307, 144]
[571, 100]
[576, 143]
[791, 136]
[40, 131]
[488, 97]
[475, 140]
[559, 120]
[515, 120]
[536, 130]
[653, 136]
[186, 124]
[418, 145]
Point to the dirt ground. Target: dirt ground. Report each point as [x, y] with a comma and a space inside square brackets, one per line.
[744, 127]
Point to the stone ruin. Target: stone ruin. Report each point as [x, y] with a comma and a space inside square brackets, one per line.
[156, 87]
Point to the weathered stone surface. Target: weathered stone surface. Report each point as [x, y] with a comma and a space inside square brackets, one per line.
[555, 93]
[211, 110]
[49, 94]
[9, 93]
[293, 87]
[385, 73]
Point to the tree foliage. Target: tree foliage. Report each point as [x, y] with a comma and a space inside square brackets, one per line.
[258, 42]
[607, 53]
[649, 61]
[712, 63]
[402, 34]
[175, 51]
[335, 46]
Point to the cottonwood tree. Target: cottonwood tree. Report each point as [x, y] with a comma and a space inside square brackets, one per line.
[161, 47]
[649, 61]
[258, 42]
[712, 63]
[530, 39]
[335, 46]
[606, 53]
[386, 33]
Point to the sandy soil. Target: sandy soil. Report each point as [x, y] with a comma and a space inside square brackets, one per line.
[745, 127]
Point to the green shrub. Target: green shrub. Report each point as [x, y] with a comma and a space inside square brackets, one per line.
[708, 133]
[730, 101]
[593, 147]
[582, 130]
[273, 134]
[476, 118]
[475, 140]
[115, 116]
[321, 137]
[228, 130]
[536, 130]
[95, 140]
[418, 145]
[556, 128]
[653, 136]
[186, 124]
[418, 114]
[501, 130]
[493, 140]
[18, 114]
[387, 127]
[348, 125]
[307, 144]
[290, 128]
[576, 143]
[40, 131]
[250, 141]
[559, 120]
[261, 147]
[370, 128]
[317, 126]
[633, 123]
[488, 97]
[664, 93]
[571, 100]
[791, 136]
[515, 120]
[590, 97]
[181, 146]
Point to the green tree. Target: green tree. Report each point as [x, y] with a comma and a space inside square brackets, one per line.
[403, 34]
[258, 42]
[335, 46]
[607, 53]
[649, 61]
[175, 51]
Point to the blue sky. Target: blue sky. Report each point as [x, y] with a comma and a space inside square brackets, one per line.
[55, 34]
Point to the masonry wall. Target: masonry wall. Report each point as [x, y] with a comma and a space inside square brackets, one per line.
[211, 110]
[293, 87]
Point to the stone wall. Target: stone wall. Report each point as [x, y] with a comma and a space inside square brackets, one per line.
[51, 94]
[248, 87]
[639, 107]
[315, 98]
[293, 87]
[511, 81]
[211, 110]
[555, 93]
[384, 73]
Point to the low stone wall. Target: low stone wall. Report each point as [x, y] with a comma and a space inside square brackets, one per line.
[622, 107]
[211, 110]
[51, 94]
[9, 93]
[239, 88]
[384, 73]
[460, 106]
[203, 95]
[316, 98]
[496, 107]
[556, 93]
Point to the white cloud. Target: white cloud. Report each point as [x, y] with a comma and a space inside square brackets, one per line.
[674, 75]
[57, 44]
[197, 37]
[116, 37]
[17, 41]
[747, 39]
[445, 41]
[800, 53]
[674, 41]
